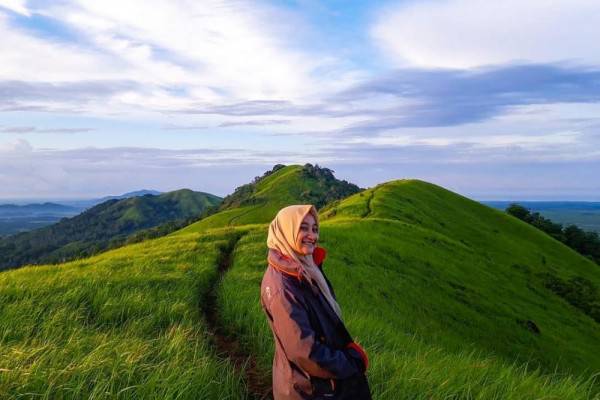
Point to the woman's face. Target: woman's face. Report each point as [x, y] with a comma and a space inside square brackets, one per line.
[307, 235]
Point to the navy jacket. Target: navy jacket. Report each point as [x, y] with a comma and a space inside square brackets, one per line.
[312, 360]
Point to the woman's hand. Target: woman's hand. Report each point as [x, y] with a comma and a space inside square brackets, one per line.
[357, 349]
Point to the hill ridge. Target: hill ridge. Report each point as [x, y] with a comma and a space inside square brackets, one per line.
[259, 201]
[100, 227]
[447, 296]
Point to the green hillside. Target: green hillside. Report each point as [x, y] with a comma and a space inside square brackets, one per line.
[101, 226]
[124, 324]
[258, 202]
[451, 299]
[440, 289]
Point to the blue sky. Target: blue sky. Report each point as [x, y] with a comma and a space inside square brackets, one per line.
[494, 101]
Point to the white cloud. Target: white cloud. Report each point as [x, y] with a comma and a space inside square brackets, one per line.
[29, 58]
[18, 6]
[235, 49]
[469, 33]
[180, 54]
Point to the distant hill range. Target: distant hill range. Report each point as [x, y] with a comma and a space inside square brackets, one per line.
[101, 227]
[16, 218]
[86, 203]
[13, 210]
[20, 218]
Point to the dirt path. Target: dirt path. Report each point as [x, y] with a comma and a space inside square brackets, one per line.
[369, 211]
[227, 346]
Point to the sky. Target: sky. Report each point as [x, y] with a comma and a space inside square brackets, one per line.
[493, 100]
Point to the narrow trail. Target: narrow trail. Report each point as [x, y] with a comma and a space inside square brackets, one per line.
[227, 346]
[369, 211]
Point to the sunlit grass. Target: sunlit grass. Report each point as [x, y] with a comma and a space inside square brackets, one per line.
[125, 324]
[436, 287]
[440, 314]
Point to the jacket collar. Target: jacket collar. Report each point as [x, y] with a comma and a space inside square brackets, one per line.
[288, 266]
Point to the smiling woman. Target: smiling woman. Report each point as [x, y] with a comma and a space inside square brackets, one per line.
[315, 356]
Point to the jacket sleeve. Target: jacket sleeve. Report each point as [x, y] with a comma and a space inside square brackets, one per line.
[292, 326]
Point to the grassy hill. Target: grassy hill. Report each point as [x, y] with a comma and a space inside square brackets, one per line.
[450, 298]
[259, 201]
[101, 226]
[124, 324]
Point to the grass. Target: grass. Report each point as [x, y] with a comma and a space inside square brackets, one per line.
[440, 307]
[442, 292]
[125, 324]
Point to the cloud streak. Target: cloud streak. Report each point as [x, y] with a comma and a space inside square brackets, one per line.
[442, 97]
[433, 97]
[59, 96]
[33, 129]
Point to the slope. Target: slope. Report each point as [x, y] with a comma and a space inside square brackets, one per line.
[124, 324]
[99, 227]
[258, 202]
[450, 298]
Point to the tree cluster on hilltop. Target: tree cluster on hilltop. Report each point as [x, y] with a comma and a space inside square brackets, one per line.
[328, 188]
[324, 187]
[585, 243]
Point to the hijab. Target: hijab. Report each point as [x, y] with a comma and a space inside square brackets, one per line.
[283, 232]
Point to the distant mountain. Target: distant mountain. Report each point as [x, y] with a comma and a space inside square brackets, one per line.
[20, 218]
[13, 210]
[101, 227]
[259, 201]
[15, 218]
[86, 203]
[137, 193]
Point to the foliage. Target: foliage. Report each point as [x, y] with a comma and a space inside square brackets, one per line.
[327, 187]
[579, 291]
[586, 243]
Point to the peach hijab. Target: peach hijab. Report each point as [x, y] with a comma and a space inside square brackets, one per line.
[283, 233]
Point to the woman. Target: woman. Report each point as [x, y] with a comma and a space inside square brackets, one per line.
[315, 356]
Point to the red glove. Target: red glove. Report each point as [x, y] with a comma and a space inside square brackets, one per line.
[361, 351]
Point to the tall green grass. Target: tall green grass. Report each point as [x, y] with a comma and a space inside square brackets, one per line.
[438, 289]
[421, 344]
[124, 324]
